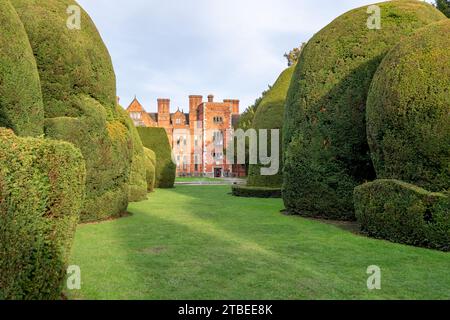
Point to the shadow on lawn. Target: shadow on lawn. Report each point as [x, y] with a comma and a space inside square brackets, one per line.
[185, 255]
[200, 243]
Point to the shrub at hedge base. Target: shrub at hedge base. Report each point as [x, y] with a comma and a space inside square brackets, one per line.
[325, 130]
[41, 194]
[21, 107]
[270, 115]
[404, 213]
[255, 192]
[156, 139]
[408, 109]
[150, 169]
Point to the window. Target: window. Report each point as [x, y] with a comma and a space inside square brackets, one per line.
[196, 162]
[217, 156]
[218, 120]
[218, 138]
[178, 121]
[135, 115]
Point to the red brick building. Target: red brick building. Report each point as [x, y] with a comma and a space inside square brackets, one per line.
[198, 138]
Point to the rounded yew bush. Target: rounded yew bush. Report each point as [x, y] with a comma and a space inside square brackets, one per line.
[138, 176]
[327, 154]
[41, 194]
[80, 104]
[150, 168]
[408, 110]
[401, 212]
[270, 115]
[156, 140]
[21, 107]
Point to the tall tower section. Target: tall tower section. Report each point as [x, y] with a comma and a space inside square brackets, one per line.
[164, 113]
[234, 105]
[194, 104]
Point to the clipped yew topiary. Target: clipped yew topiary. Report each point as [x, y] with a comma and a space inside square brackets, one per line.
[404, 213]
[79, 93]
[270, 115]
[138, 175]
[150, 169]
[408, 110]
[156, 139]
[41, 194]
[327, 154]
[70, 61]
[107, 149]
[21, 107]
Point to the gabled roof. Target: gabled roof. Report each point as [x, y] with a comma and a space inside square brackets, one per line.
[135, 106]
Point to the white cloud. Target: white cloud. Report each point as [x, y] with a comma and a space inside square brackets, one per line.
[232, 48]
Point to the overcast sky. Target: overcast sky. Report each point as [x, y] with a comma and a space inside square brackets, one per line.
[231, 48]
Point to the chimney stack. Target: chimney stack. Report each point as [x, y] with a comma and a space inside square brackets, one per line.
[163, 106]
[164, 113]
[211, 98]
[234, 105]
[194, 102]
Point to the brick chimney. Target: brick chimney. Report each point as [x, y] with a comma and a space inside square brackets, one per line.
[194, 103]
[163, 112]
[234, 105]
[211, 98]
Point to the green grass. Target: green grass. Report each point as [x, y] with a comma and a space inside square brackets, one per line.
[197, 179]
[199, 242]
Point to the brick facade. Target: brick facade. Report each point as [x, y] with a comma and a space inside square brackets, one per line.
[198, 138]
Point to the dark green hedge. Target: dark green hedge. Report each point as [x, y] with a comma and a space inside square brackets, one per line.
[401, 212]
[138, 175]
[156, 139]
[70, 62]
[80, 104]
[270, 115]
[21, 107]
[107, 149]
[41, 194]
[327, 153]
[408, 116]
[255, 192]
[150, 168]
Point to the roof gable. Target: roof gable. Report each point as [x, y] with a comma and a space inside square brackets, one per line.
[135, 106]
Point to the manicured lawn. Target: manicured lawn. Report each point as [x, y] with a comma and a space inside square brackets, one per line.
[197, 179]
[199, 242]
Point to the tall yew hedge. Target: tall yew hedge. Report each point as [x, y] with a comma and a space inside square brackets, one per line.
[156, 139]
[408, 110]
[327, 154]
[270, 115]
[80, 104]
[21, 107]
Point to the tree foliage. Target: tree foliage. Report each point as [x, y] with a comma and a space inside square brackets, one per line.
[293, 55]
[443, 6]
